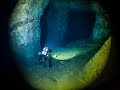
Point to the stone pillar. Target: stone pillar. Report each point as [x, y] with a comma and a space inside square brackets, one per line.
[57, 24]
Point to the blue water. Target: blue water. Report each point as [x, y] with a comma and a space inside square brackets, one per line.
[80, 25]
[61, 26]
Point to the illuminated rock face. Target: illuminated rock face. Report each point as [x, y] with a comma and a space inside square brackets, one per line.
[101, 28]
[25, 26]
[32, 27]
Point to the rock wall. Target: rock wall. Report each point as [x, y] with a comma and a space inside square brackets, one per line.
[101, 28]
[25, 27]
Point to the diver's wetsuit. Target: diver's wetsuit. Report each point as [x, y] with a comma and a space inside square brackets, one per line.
[45, 57]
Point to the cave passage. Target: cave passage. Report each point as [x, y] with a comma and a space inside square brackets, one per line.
[80, 25]
[60, 26]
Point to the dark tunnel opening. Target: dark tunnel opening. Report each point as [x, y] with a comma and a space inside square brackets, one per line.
[80, 25]
[57, 31]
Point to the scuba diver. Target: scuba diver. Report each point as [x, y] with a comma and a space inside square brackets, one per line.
[45, 57]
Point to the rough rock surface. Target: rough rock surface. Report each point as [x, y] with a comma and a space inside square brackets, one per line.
[101, 28]
[25, 26]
